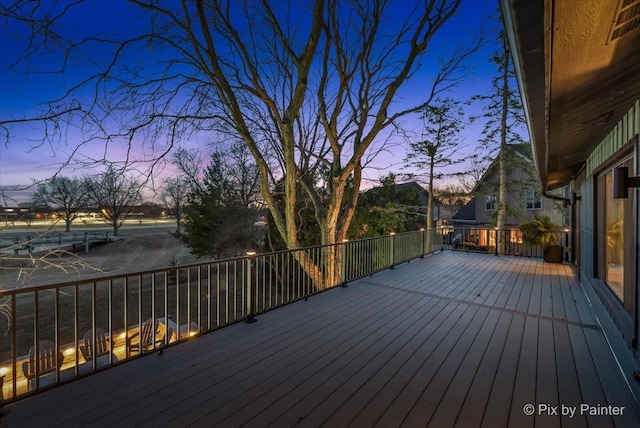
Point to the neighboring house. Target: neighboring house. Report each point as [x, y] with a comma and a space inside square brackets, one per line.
[524, 197]
[395, 207]
[412, 198]
[578, 67]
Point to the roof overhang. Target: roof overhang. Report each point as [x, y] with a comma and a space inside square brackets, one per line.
[578, 68]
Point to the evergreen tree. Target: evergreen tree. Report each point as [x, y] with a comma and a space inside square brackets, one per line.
[438, 148]
[219, 220]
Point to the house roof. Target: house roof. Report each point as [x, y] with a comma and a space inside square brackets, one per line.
[523, 151]
[466, 214]
[402, 188]
[577, 64]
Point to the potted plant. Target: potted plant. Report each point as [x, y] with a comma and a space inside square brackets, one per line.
[541, 231]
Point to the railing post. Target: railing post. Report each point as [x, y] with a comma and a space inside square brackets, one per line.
[422, 248]
[343, 264]
[442, 238]
[250, 316]
[496, 241]
[566, 245]
[392, 236]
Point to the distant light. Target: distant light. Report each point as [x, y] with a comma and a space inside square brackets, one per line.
[3, 371]
[122, 336]
[251, 253]
[192, 333]
[69, 351]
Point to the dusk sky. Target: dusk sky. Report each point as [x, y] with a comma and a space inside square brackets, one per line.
[26, 86]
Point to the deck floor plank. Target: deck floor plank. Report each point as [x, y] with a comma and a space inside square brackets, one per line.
[348, 410]
[496, 413]
[322, 379]
[568, 383]
[454, 339]
[432, 338]
[260, 375]
[547, 379]
[319, 404]
[404, 402]
[527, 287]
[475, 403]
[447, 408]
[524, 390]
[590, 389]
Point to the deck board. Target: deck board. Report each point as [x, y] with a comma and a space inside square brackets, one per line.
[453, 339]
[477, 395]
[496, 413]
[568, 382]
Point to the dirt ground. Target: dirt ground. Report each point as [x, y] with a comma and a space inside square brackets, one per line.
[135, 251]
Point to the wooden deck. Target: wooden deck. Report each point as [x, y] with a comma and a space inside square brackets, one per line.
[453, 339]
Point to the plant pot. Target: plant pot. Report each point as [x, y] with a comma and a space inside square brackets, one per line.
[554, 254]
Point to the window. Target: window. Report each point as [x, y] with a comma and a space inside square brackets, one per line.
[616, 223]
[532, 200]
[614, 237]
[491, 202]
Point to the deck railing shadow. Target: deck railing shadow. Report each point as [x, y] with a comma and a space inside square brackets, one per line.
[185, 300]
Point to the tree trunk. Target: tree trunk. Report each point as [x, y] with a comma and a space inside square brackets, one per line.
[429, 223]
[67, 222]
[502, 197]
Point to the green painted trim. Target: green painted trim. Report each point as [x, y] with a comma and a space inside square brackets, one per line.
[625, 130]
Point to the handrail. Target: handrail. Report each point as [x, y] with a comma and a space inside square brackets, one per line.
[497, 241]
[182, 301]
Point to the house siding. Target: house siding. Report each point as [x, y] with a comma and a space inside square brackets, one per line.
[619, 144]
[519, 180]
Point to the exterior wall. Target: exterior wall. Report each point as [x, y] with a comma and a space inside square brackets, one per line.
[519, 180]
[622, 317]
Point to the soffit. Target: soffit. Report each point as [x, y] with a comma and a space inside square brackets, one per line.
[577, 80]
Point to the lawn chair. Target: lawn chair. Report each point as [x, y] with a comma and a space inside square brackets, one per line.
[103, 345]
[148, 337]
[47, 361]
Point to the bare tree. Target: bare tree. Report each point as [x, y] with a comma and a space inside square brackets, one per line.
[475, 166]
[313, 85]
[114, 193]
[65, 195]
[174, 196]
[451, 195]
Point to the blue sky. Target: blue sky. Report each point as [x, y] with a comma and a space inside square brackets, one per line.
[24, 88]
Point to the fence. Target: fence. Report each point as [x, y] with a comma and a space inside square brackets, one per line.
[509, 241]
[26, 242]
[60, 332]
